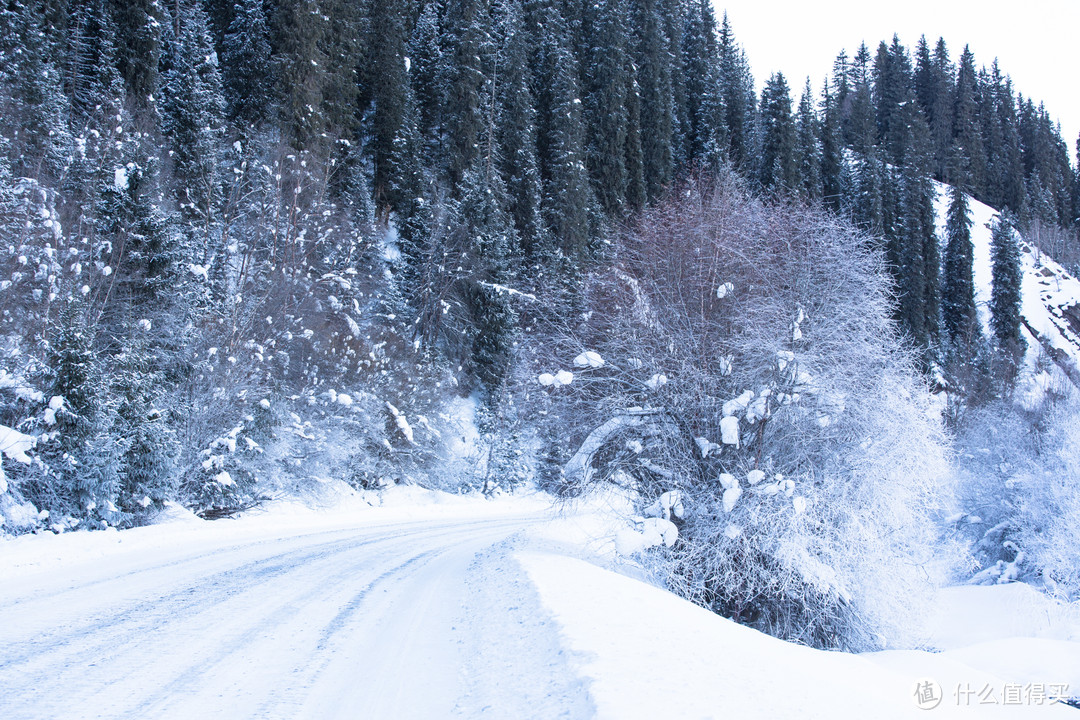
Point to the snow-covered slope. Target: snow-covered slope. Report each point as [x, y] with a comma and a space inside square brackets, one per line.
[649, 654]
[1051, 296]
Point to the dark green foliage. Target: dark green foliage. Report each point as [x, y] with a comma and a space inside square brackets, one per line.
[606, 103]
[958, 288]
[516, 128]
[192, 110]
[808, 155]
[246, 66]
[468, 111]
[739, 101]
[652, 54]
[139, 24]
[390, 94]
[1005, 297]
[779, 165]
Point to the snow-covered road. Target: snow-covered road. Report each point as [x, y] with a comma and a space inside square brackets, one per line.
[368, 622]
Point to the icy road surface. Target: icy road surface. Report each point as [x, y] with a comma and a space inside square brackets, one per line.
[398, 621]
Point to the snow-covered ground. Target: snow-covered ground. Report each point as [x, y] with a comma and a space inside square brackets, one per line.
[437, 606]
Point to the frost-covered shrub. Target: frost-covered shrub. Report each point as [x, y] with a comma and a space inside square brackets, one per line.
[1020, 499]
[749, 362]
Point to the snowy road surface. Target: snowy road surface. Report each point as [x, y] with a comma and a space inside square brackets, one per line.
[456, 609]
[375, 622]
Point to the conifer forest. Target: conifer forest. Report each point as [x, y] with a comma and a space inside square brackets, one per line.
[251, 246]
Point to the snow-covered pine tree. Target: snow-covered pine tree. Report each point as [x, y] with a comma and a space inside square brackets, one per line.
[192, 118]
[605, 112]
[654, 62]
[779, 166]
[1005, 297]
[808, 147]
[958, 284]
[515, 128]
[246, 67]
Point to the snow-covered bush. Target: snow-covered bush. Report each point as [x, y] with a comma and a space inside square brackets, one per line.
[1020, 499]
[749, 361]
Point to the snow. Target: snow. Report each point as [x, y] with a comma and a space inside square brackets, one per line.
[656, 382]
[739, 404]
[649, 654]
[15, 445]
[562, 377]
[474, 608]
[729, 430]
[400, 421]
[589, 359]
[723, 290]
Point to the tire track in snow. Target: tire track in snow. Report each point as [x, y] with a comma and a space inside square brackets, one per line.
[122, 661]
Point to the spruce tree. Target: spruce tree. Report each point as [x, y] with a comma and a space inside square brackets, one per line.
[808, 150]
[568, 201]
[653, 58]
[1005, 297]
[605, 103]
[298, 36]
[958, 283]
[246, 67]
[192, 110]
[516, 129]
[139, 24]
[834, 174]
[428, 72]
[779, 167]
[389, 93]
[703, 115]
[738, 99]
[967, 125]
[468, 102]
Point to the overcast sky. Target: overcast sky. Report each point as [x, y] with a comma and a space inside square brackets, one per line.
[1037, 42]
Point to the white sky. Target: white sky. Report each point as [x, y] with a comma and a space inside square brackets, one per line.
[1035, 41]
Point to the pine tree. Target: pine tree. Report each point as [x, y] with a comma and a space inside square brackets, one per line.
[834, 171]
[958, 284]
[672, 15]
[967, 125]
[779, 168]
[37, 112]
[298, 30]
[632, 151]
[568, 202]
[702, 122]
[860, 126]
[739, 100]
[192, 109]
[605, 104]
[138, 40]
[246, 66]
[427, 72]
[808, 151]
[516, 128]
[1005, 297]
[389, 93]
[653, 58]
[490, 242]
[468, 102]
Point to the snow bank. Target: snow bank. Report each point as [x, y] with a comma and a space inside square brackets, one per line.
[649, 654]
